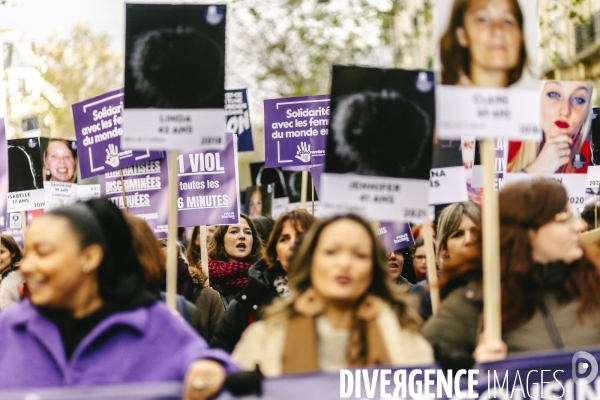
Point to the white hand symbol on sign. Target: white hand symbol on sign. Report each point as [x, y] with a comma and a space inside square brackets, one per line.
[112, 155]
[303, 153]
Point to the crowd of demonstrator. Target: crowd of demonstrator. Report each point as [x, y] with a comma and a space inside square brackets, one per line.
[83, 303]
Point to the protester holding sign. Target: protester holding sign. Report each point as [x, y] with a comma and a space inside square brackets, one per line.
[340, 290]
[566, 123]
[89, 319]
[232, 251]
[550, 291]
[267, 279]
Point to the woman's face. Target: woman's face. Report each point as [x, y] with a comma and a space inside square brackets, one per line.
[342, 263]
[286, 244]
[53, 264]
[60, 161]
[238, 241]
[462, 242]
[420, 260]
[557, 240]
[5, 258]
[395, 264]
[256, 204]
[564, 107]
[210, 231]
[492, 34]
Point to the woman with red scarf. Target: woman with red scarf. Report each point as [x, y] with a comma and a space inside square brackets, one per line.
[232, 251]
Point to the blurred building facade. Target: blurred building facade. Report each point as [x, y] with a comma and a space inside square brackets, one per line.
[24, 93]
[570, 46]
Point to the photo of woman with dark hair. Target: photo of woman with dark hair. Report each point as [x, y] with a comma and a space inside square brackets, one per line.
[381, 124]
[175, 56]
[24, 165]
[484, 44]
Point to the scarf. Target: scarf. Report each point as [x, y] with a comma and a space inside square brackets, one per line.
[228, 275]
[365, 346]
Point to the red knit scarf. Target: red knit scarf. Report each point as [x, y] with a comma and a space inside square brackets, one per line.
[230, 275]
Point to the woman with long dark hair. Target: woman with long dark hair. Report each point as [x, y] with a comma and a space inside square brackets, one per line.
[232, 251]
[267, 279]
[550, 285]
[343, 310]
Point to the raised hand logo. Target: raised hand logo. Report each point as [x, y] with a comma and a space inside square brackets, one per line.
[303, 153]
[112, 155]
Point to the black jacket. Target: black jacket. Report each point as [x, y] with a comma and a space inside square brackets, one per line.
[245, 308]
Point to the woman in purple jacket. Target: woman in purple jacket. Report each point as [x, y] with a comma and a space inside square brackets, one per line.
[89, 319]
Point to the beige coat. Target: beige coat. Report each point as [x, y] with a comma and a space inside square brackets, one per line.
[263, 343]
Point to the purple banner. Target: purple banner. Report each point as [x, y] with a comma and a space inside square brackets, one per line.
[98, 130]
[3, 175]
[146, 190]
[395, 235]
[238, 118]
[296, 131]
[208, 186]
[315, 173]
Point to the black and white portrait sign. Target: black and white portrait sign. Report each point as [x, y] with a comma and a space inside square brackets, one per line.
[380, 142]
[174, 76]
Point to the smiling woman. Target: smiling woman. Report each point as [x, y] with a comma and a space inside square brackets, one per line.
[343, 308]
[89, 319]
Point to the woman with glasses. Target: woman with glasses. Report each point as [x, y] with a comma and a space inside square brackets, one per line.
[550, 291]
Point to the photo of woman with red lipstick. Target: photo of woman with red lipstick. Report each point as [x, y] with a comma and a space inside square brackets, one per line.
[484, 44]
[566, 124]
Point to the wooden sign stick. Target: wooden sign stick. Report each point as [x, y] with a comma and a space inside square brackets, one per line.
[172, 231]
[492, 308]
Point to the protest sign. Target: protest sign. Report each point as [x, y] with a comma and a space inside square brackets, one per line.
[3, 176]
[296, 131]
[488, 84]
[59, 170]
[565, 152]
[288, 182]
[98, 128]
[238, 118]
[146, 191]
[315, 173]
[593, 172]
[259, 200]
[447, 179]
[395, 235]
[380, 143]
[208, 190]
[174, 76]
[25, 179]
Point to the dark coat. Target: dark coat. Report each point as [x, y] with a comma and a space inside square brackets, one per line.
[245, 308]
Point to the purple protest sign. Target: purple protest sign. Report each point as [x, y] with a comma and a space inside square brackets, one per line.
[3, 175]
[315, 173]
[395, 235]
[208, 186]
[146, 190]
[98, 130]
[296, 131]
[238, 118]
